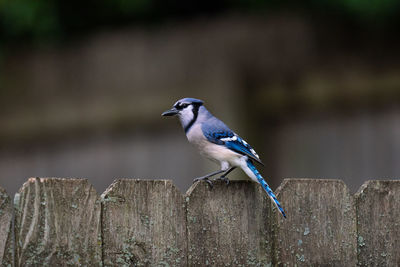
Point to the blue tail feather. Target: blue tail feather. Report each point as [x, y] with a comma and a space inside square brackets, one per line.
[265, 186]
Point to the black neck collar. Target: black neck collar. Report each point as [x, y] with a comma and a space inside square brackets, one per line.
[195, 115]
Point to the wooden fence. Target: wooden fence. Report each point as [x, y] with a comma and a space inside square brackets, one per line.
[64, 222]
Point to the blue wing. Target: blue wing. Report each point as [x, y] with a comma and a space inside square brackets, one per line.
[218, 133]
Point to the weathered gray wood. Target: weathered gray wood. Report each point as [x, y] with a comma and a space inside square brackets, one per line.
[144, 224]
[228, 225]
[57, 223]
[378, 223]
[320, 229]
[6, 245]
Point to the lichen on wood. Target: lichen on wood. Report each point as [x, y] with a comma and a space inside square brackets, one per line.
[378, 223]
[320, 229]
[144, 224]
[229, 225]
[6, 244]
[57, 223]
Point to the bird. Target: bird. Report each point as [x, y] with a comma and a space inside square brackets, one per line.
[219, 143]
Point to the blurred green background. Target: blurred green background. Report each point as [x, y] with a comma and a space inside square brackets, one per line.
[314, 86]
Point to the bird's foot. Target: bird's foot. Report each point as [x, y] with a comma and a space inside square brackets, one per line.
[204, 179]
[224, 179]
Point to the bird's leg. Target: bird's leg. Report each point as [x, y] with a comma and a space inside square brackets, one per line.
[205, 177]
[223, 176]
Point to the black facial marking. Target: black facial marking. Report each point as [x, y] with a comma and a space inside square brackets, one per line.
[180, 106]
[177, 106]
[195, 115]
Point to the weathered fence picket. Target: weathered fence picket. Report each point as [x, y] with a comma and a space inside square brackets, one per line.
[320, 229]
[378, 223]
[57, 223]
[228, 225]
[64, 222]
[6, 246]
[144, 224]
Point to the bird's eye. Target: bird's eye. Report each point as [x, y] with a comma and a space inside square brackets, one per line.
[184, 105]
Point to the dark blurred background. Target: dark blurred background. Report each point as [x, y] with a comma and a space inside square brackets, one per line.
[313, 85]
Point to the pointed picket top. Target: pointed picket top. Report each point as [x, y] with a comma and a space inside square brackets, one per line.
[6, 244]
[144, 224]
[378, 223]
[320, 226]
[57, 222]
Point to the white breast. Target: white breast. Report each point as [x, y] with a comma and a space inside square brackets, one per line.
[212, 151]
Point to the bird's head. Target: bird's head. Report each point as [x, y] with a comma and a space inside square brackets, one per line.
[187, 110]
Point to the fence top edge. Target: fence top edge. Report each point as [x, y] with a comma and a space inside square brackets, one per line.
[195, 185]
[192, 188]
[287, 181]
[4, 193]
[33, 180]
[369, 183]
[305, 179]
[2, 190]
[42, 179]
[141, 180]
[118, 181]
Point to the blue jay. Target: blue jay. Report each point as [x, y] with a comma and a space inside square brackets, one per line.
[219, 143]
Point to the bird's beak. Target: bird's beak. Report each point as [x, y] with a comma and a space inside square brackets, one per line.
[170, 112]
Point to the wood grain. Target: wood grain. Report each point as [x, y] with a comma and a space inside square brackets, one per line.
[320, 226]
[144, 224]
[64, 222]
[229, 225]
[6, 244]
[378, 223]
[57, 223]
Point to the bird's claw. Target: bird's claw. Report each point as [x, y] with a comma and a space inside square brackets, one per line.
[210, 183]
[224, 179]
